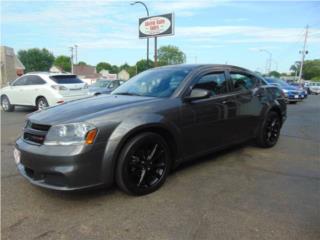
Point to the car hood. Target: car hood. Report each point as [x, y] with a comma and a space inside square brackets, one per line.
[291, 88]
[97, 89]
[86, 108]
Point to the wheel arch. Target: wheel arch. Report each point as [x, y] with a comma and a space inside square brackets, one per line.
[116, 144]
[37, 98]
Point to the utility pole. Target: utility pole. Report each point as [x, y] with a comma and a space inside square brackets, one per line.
[303, 52]
[268, 61]
[155, 52]
[76, 53]
[71, 59]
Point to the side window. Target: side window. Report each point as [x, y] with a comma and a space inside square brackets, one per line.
[111, 85]
[214, 82]
[35, 80]
[20, 82]
[242, 81]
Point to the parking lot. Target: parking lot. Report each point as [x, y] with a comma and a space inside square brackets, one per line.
[241, 193]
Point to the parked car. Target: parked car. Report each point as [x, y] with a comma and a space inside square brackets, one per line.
[41, 90]
[103, 86]
[301, 87]
[147, 126]
[292, 93]
[314, 87]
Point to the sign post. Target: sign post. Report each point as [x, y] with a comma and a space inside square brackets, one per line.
[156, 26]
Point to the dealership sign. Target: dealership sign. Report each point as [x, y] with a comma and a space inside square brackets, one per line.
[156, 26]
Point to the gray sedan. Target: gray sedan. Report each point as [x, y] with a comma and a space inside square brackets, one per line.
[103, 86]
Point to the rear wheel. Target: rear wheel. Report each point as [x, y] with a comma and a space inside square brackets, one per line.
[144, 164]
[269, 131]
[6, 105]
[42, 103]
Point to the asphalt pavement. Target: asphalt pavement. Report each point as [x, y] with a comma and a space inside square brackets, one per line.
[241, 193]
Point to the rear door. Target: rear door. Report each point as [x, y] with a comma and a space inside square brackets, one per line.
[206, 122]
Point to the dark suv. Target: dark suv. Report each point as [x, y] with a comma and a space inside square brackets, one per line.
[147, 126]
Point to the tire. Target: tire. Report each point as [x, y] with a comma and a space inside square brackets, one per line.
[269, 130]
[6, 105]
[144, 164]
[42, 103]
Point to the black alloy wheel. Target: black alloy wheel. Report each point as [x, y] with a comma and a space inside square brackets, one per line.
[270, 131]
[144, 164]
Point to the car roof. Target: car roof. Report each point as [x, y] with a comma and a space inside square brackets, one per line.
[195, 66]
[49, 74]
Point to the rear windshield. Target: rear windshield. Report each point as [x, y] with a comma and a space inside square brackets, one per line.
[66, 79]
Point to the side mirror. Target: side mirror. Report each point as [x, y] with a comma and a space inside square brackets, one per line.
[197, 94]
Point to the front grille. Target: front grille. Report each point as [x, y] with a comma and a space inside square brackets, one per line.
[35, 133]
[40, 127]
[33, 138]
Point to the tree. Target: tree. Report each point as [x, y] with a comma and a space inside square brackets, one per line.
[132, 70]
[82, 63]
[114, 69]
[143, 65]
[36, 59]
[103, 66]
[275, 74]
[125, 66]
[63, 62]
[311, 69]
[170, 55]
[295, 68]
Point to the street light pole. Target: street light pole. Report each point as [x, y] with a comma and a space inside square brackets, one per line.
[270, 59]
[71, 59]
[76, 53]
[147, 10]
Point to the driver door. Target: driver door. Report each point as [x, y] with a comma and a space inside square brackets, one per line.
[206, 121]
[16, 93]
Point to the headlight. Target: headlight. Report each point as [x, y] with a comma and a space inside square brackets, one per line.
[71, 134]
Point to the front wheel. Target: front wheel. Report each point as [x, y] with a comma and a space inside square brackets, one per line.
[269, 131]
[6, 105]
[42, 103]
[143, 164]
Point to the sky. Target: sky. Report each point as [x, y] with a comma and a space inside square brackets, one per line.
[232, 32]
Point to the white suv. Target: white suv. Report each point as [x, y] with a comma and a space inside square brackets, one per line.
[42, 89]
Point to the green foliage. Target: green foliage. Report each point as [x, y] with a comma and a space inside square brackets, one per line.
[132, 70]
[311, 69]
[275, 74]
[114, 69]
[36, 59]
[316, 79]
[63, 62]
[82, 63]
[103, 66]
[143, 65]
[170, 55]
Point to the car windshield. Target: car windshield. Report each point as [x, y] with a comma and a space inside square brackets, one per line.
[66, 79]
[277, 81]
[101, 83]
[160, 82]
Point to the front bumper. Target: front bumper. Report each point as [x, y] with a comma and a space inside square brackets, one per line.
[63, 168]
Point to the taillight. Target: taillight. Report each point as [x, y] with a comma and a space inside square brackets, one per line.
[59, 87]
